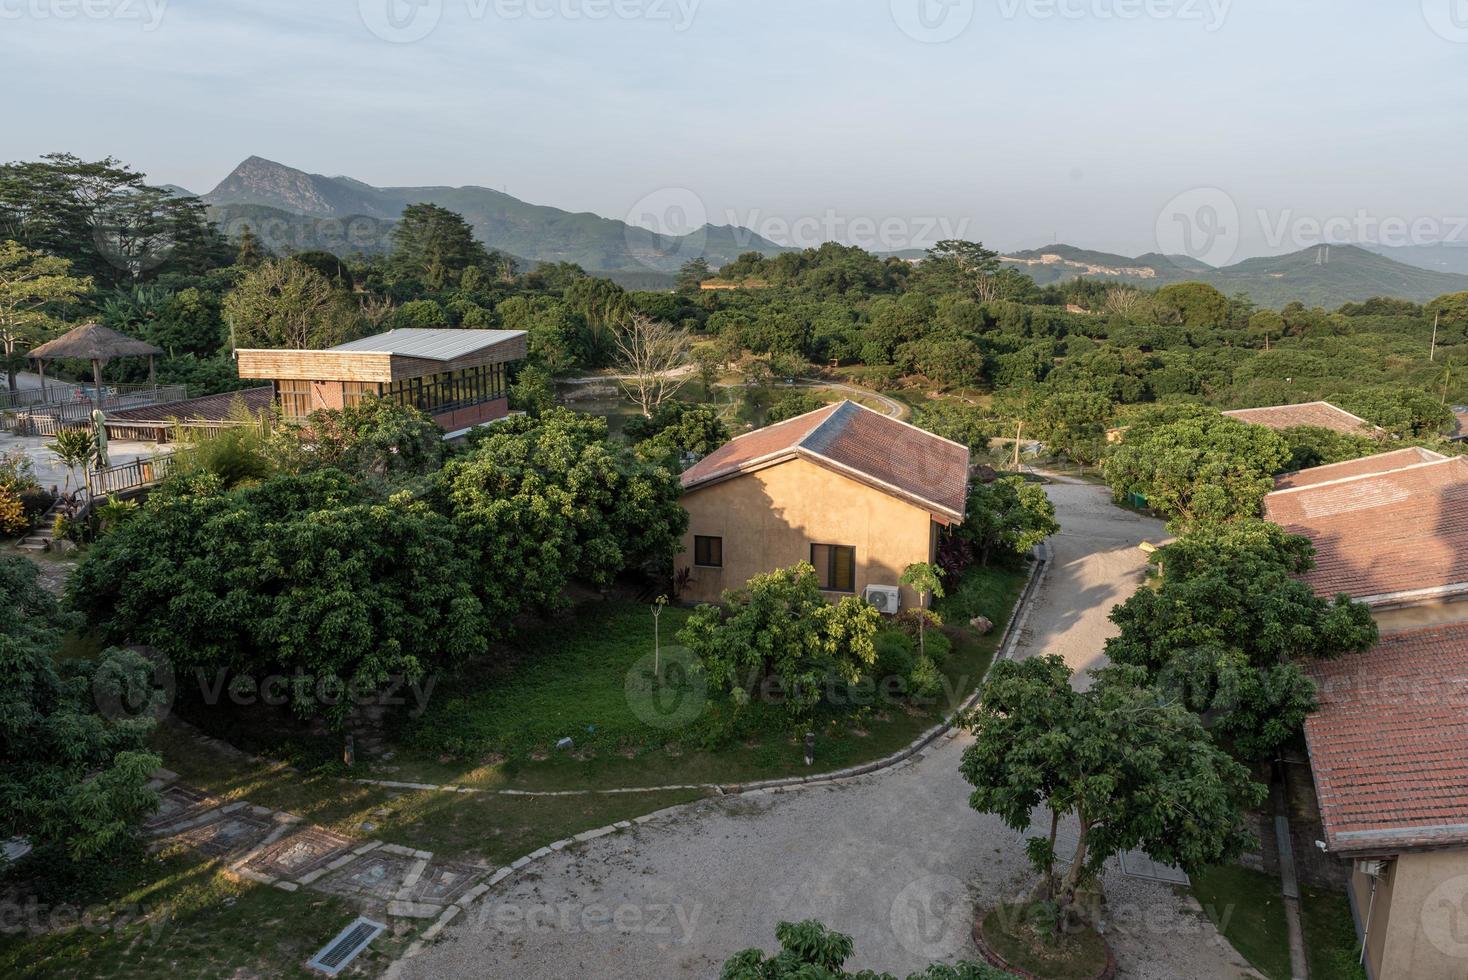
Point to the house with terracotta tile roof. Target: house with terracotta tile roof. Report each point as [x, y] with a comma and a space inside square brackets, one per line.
[1388, 745]
[857, 494]
[1319, 415]
[1389, 530]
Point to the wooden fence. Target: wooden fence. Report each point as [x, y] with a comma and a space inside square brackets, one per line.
[127, 478]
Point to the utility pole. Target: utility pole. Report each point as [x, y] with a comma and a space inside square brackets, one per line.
[1018, 432]
[1432, 355]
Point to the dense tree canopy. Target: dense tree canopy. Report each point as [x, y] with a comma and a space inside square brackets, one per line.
[73, 780]
[1229, 626]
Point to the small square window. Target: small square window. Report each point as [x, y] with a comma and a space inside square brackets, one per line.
[835, 567]
[708, 552]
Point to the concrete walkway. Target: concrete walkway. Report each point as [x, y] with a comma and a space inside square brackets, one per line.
[896, 859]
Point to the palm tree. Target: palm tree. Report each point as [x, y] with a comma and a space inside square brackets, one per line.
[76, 448]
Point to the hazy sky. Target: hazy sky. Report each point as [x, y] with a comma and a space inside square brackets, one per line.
[1082, 120]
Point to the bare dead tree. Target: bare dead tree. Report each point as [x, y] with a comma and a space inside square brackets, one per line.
[654, 357]
[1124, 300]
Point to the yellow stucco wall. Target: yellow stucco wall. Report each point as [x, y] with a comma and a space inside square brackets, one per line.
[1419, 929]
[770, 518]
[1421, 615]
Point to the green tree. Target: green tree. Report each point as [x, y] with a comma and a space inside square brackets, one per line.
[376, 438]
[810, 951]
[1226, 632]
[1200, 467]
[1134, 771]
[307, 575]
[1075, 423]
[249, 252]
[1192, 304]
[1311, 446]
[956, 421]
[74, 780]
[967, 266]
[436, 246]
[680, 429]
[285, 304]
[926, 580]
[33, 287]
[1403, 411]
[1008, 517]
[692, 274]
[792, 404]
[538, 501]
[533, 390]
[780, 626]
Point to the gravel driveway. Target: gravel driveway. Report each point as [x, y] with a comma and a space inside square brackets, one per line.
[897, 859]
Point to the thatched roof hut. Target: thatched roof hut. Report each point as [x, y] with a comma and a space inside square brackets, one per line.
[92, 342]
[96, 343]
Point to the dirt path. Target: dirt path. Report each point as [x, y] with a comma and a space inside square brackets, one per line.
[898, 859]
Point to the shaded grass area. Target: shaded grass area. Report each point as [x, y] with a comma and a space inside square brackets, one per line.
[489, 828]
[572, 681]
[181, 915]
[1248, 909]
[1330, 935]
[1027, 938]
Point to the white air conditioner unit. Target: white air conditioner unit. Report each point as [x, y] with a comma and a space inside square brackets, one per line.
[886, 598]
[1371, 869]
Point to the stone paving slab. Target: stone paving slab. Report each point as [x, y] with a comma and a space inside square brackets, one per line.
[231, 835]
[299, 852]
[443, 882]
[373, 877]
[177, 804]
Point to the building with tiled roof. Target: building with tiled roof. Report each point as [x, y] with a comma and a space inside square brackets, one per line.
[857, 494]
[1389, 742]
[1319, 415]
[1389, 753]
[1389, 530]
[158, 423]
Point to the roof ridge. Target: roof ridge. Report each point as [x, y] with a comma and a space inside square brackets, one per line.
[1364, 476]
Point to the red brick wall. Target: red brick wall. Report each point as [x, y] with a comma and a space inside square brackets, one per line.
[476, 415]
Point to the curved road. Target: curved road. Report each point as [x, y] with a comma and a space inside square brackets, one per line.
[896, 859]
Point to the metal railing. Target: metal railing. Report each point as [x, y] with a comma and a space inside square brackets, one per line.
[125, 477]
[66, 393]
[48, 418]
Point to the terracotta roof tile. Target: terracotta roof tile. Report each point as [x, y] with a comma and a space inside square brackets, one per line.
[1321, 415]
[209, 408]
[1358, 467]
[1389, 744]
[891, 455]
[1383, 534]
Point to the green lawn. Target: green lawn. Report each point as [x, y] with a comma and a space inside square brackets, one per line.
[572, 681]
[1330, 935]
[1248, 909]
[181, 916]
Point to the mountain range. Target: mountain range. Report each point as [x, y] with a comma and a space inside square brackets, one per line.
[1321, 275]
[292, 210]
[340, 214]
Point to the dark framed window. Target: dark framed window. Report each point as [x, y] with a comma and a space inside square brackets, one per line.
[835, 567]
[708, 552]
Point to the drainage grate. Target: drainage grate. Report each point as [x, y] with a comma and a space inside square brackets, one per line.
[335, 956]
